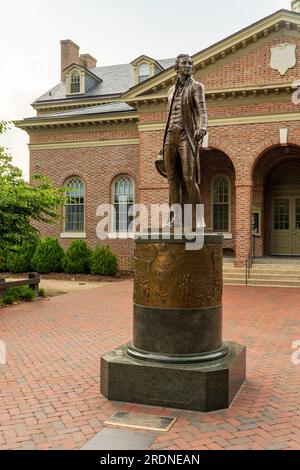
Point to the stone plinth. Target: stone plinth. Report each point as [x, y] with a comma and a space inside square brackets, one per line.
[177, 357]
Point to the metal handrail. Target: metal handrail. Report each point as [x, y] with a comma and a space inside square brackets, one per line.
[249, 260]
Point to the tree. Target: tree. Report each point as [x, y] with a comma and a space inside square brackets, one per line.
[23, 204]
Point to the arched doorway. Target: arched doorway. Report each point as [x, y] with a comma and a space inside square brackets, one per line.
[276, 195]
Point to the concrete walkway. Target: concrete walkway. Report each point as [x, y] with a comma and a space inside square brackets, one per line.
[49, 388]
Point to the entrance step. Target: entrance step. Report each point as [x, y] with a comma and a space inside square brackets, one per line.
[278, 260]
[273, 272]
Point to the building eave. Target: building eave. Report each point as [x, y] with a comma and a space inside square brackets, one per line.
[219, 95]
[75, 121]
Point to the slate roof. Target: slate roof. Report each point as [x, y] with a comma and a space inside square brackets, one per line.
[116, 79]
[99, 109]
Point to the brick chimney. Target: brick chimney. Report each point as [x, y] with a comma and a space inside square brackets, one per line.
[87, 61]
[69, 55]
[295, 6]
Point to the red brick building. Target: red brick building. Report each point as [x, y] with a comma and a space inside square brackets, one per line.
[101, 128]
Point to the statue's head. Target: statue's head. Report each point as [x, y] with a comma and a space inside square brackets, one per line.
[184, 66]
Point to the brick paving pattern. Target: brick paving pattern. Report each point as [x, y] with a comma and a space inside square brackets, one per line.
[49, 388]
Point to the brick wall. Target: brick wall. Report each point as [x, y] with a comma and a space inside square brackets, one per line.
[97, 167]
[251, 66]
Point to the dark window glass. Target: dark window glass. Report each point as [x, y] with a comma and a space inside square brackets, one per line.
[75, 82]
[74, 208]
[123, 200]
[221, 204]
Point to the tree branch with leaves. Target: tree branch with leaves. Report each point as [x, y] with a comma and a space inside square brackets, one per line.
[23, 204]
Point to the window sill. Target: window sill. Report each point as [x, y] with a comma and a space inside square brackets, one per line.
[73, 235]
[120, 235]
[227, 236]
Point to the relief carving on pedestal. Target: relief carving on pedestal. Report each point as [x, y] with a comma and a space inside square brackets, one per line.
[168, 276]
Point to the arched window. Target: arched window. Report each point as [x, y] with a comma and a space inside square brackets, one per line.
[143, 72]
[221, 203]
[75, 82]
[123, 199]
[74, 207]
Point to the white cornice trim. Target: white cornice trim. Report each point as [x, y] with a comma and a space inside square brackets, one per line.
[73, 235]
[39, 121]
[231, 121]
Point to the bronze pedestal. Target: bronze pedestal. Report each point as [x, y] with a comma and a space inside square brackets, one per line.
[177, 357]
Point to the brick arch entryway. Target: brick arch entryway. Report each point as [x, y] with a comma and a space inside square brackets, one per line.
[276, 201]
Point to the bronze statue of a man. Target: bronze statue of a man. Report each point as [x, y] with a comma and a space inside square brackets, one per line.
[185, 130]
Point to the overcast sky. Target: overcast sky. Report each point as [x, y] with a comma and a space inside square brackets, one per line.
[113, 31]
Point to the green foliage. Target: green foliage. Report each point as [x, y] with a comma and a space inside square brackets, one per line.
[103, 261]
[22, 203]
[9, 297]
[3, 260]
[48, 256]
[17, 293]
[19, 257]
[77, 258]
[42, 292]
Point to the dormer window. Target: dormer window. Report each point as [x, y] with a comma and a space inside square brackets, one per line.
[144, 72]
[144, 67]
[75, 82]
[79, 80]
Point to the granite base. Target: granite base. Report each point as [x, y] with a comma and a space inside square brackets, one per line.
[202, 387]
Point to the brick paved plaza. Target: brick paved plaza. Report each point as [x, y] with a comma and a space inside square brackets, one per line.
[49, 389]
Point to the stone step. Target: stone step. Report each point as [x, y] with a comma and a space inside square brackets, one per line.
[275, 276]
[234, 275]
[275, 273]
[273, 283]
[265, 269]
[234, 282]
[277, 261]
[264, 272]
[263, 282]
[234, 271]
[276, 266]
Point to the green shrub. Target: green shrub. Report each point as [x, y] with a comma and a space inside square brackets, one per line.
[77, 258]
[25, 293]
[17, 293]
[42, 292]
[19, 258]
[48, 256]
[9, 297]
[103, 261]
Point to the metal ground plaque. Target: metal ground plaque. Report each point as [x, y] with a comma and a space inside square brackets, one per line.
[141, 421]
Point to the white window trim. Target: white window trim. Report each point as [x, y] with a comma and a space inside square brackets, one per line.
[82, 82]
[81, 234]
[228, 233]
[121, 234]
[136, 69]
[73, 235]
